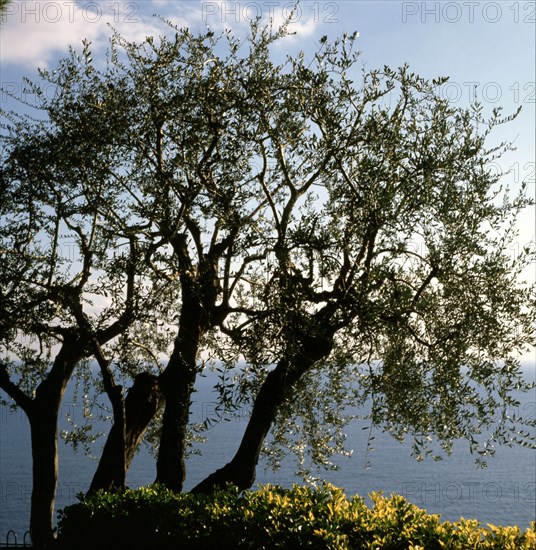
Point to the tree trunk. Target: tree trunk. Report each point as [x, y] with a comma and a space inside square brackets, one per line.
[143, 401]
[177, 383]
[173, 387]
[43, 418]
[43, 428]
[118, 466]
[170, 465]
[275, 389]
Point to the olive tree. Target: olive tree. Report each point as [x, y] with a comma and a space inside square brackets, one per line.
[392, 277]
[72, 278]
[339, 233]
[51, 247]
[145, 155]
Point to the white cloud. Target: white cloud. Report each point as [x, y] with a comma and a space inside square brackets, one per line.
[37, 32]
[34, 33]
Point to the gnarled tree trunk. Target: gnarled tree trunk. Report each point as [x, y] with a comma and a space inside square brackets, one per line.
[275, 389]
[143, 401]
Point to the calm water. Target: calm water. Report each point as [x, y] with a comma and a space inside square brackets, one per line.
[503, 493]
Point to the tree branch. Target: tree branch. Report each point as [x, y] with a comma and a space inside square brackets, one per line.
[22, 400]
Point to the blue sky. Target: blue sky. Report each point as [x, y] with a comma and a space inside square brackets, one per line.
[491, 44]
[488, 44]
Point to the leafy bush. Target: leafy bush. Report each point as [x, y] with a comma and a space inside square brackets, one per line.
[272, 517]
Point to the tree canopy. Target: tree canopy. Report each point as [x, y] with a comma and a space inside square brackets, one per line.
[324, 234]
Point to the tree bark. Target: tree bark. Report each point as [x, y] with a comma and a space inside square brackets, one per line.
[43, 418]
[276, 388]
[177, 383]
[43, 428]
[143, 401]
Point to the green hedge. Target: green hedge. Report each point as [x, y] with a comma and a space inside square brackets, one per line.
[272, 517]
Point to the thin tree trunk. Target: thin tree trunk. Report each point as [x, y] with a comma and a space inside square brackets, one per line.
[276, 388]
[199, 292]
[117, 466]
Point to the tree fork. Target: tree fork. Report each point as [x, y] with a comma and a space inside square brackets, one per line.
[144, 399]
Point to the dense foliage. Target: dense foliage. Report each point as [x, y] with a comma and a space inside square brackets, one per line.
[272, 517]
[324, 235]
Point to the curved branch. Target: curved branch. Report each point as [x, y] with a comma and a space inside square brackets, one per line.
[424, 285]
[22, 400]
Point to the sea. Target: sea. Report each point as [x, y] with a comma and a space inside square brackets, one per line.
[503, 493]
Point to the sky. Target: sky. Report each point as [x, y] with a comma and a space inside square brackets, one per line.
[485, 48]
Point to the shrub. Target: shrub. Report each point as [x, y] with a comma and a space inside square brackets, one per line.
[270, 518]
